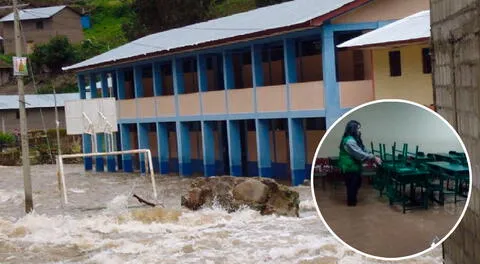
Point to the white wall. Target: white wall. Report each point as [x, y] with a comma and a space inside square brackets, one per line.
[389, 122]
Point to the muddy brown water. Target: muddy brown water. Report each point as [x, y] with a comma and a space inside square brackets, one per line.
[103, 223]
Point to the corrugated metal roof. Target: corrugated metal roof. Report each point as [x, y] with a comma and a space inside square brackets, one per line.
[36, 100]
[257, 20]
[411, 28]
[34, 13]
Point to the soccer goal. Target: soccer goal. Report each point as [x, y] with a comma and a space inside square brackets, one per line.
[93, 116]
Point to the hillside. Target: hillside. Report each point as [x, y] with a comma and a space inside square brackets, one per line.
[116, 22]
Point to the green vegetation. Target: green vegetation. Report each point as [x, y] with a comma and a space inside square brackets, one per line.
[229, 7]
[107, 18]
[6, 139]
[7, 58]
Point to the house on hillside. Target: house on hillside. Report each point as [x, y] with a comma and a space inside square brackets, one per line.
[6, 72]
[401, 60]
[250, 94]
[10, 116]
[41, 24]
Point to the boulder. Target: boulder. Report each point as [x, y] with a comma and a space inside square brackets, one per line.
[231, 193]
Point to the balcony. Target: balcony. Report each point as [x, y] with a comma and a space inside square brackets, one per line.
[355, 93]
[272, 98]
[307, 96]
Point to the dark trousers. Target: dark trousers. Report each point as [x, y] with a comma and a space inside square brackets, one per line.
[353, 181]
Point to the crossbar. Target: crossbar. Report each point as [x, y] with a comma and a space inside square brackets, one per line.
[148, 166]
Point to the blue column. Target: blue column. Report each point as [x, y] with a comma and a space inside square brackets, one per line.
[87, 148]
[177, 71]
[290, 57]
[257, 66]
[178, 82]
[296, 139]
[163, 147]
[184, 155]
[111, 161]
[157, 79]
[81, 86]
[257, 71]
[234, 147]
[331, 88]
[120, 84]
[228, 76]
[99, 160]
[143, 143]
[125, 138]
[137, 79]
[202, 73]
[263, 147]
[208, 147]
[104, 79]
[93, 85]
[114, 85]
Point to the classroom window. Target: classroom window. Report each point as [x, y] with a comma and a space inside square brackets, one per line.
[395, 63]
[39, 25]
[427, 61]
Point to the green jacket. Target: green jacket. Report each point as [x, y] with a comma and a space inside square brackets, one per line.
[352, 156]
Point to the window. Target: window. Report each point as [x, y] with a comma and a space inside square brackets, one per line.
[39, 25]
[395, 63]
[427, 61]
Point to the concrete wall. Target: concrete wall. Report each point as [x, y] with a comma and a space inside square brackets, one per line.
[34, 119]
[413, 85]
[65, 22]
[455, 28]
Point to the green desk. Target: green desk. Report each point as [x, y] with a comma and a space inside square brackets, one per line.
[457, 172]
[400, 177]
[449, 157]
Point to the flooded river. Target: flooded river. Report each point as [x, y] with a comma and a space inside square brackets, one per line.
[103, 223]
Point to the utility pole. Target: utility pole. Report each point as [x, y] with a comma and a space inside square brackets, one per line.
[27, 181]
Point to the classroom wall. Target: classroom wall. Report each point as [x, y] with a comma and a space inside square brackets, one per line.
[413, 85]
[395, 122]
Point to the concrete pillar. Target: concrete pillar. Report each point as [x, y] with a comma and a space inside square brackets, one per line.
[143, 143]
[234, 147]
[208, 147]
[331, 88]
[157, 79]
[290, 57]
[93, 85]
[184, 149]
[81, 86]
[125, 138]
[87, 148]
[296, 139]
[104, 82]
[99, 160]
[163, 147]
[120, 74]
[263, 148]
[137, 80]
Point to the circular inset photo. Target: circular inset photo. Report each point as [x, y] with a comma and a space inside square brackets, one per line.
[391, 179]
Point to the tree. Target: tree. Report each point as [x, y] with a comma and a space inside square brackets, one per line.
[55, 54]
[161, 15]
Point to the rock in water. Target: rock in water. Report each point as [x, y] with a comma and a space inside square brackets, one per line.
[231, 193]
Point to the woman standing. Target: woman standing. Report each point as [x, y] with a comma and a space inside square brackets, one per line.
[352, 157]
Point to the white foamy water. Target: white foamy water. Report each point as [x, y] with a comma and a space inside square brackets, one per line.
[105, 225]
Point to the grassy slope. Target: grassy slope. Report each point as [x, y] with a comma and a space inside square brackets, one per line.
[107, 18]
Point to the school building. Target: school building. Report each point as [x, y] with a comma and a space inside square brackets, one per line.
[246, 95]
[402, 65]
